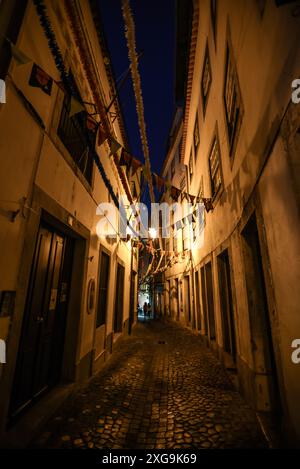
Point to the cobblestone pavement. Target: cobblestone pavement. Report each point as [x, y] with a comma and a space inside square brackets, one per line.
[161, 388]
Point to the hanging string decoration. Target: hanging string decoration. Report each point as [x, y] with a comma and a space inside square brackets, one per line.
[136, 80]
[58, 59]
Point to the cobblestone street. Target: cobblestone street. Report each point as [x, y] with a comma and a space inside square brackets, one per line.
[160, 389]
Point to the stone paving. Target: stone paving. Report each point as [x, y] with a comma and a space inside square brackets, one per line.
[161, 388]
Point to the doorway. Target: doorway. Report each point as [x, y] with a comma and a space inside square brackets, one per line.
[187, 299]
[177, 305]
[208, 301]
[227, 317]
[103, 288]
[39, 360]
[197, 292]
[119, 299]
[204, 302]
[132, 303]
[266, 383]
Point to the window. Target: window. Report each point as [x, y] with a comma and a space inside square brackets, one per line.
[206, 79]
[103, 289]
[191, 166]
[75, 136]
[11, 18]
[213, 14]
[215, 168]
[232, 102]
[196, 135]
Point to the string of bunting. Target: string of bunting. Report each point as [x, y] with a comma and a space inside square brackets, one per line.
[136, 81]
[44, 81]
[41, 79]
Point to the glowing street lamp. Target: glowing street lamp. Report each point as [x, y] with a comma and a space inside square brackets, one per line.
[152, 233]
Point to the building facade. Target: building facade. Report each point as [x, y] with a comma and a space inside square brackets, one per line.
[66, 293]
[238, 144]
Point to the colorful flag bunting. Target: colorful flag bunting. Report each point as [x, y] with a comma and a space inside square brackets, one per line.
[114, 146]
[208, 204]
[75, 107]
[91, 123]
[125, 159]
[40, 79]
[175, 193]
[135, 164]
[101, 136]
[158, 182]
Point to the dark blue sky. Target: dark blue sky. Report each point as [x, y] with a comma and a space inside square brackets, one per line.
[155, 36]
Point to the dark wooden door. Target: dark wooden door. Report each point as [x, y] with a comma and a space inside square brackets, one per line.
[197, 292]
[228, 327]
[119, 299]
[41, 345]
[260, 324]
[103, 289]
[132, 299]
[177, 299]
[187, 296]
[204, 300]
[210, 301]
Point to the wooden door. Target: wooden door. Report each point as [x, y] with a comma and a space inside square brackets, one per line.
[268, 397]
[41, 345]
[225, 288]
[187, 299]
[119, 299]
[197, 292]
[103, 289]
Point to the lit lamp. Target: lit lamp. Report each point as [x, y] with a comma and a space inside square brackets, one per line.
[152, 233]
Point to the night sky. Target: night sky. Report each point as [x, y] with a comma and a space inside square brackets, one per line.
[155, 36]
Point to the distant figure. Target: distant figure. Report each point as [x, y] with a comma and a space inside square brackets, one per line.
[149, 310]
[145, 308]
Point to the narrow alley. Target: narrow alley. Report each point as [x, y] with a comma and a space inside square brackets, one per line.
[149, 226]
[160, 389]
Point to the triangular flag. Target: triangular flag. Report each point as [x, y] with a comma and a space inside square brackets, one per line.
[114, 146]
[40, 79]
[125, 159]
[208, 204]
[75, 107]
[91, 123]
[18, 55]
[175, 193]
[158, 182]
[101, 136]
[135, 164]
